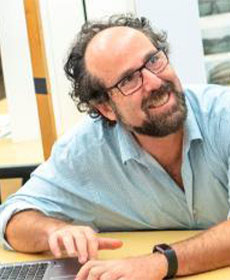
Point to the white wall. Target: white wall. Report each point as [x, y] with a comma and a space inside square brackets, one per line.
[101, 8]
[17, 71]
[180, 18]
[61, 21]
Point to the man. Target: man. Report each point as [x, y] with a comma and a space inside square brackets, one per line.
[155, 156]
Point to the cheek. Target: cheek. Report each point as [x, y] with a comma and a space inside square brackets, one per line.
[130, 105]
[178, 85]
[132, 113]
[170, 75]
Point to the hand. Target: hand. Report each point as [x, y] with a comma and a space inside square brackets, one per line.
[79, 241]
[151, 267]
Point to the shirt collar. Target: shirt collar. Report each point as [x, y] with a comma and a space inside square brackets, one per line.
[130, 149]
[191, 127]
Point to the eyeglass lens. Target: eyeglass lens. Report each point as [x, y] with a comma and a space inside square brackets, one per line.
[134, 81]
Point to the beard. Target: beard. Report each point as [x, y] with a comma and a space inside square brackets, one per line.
[164, 123]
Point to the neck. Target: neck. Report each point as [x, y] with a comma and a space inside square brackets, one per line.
[166, 150]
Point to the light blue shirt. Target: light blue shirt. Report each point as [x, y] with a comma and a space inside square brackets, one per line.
[101, 177]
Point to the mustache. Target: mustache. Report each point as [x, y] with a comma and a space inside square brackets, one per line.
[156, 94]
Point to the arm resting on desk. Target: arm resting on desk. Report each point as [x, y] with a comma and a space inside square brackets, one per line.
[206, 251]
[32, 231]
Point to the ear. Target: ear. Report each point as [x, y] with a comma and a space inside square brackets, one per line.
[106, 110]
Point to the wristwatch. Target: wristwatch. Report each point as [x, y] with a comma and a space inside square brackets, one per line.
[171, 257]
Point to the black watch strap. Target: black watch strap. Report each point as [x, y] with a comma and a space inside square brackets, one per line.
[171, 258]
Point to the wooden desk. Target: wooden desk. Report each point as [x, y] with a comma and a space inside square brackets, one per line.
[17, 154]
[20, 153]
[135, 243]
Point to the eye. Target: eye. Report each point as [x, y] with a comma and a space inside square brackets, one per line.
[127, 80]
[153, 59]
[156, 62]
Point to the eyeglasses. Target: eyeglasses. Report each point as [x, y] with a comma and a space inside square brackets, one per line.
[134, 81]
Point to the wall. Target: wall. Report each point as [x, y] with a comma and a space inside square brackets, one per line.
[180, 18]
[101, 8]
[17, 71]
[61, 20]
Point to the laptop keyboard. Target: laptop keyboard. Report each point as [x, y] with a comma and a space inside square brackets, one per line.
[23, 271]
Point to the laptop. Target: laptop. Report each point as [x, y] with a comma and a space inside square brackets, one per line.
[58, 269]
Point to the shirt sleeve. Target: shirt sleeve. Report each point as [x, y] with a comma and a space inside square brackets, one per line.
[229, 186]
[229, 202]
[58, 188]
[217, 109]
[221, 135]
[222, 147]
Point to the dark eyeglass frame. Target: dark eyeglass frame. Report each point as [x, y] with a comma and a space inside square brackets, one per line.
[141, 74]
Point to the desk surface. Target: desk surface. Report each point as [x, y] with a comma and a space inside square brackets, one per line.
[135, 243]
[20, 153]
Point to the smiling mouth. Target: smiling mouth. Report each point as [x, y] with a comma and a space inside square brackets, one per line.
[159, 101]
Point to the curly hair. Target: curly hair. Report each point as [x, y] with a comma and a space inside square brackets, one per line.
[87, 90]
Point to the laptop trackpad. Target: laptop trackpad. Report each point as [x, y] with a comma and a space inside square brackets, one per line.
[65, 269]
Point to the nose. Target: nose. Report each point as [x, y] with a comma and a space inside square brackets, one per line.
[151, 81]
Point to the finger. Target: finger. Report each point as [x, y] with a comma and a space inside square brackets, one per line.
[92, 243]
[84, 271]
[110, 276]
[69, 245]
[95, 273]
[112, 271]
[54, 246]
[109, 243]
[81, 245]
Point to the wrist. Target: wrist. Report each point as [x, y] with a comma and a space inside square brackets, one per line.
[171, 257]
[159, 264]
[52, 225]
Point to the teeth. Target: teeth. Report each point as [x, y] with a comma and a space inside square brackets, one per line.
[157, 102]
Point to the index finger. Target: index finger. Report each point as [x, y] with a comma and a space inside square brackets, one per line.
[109, 243]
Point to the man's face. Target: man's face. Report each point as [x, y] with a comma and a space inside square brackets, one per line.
[157, 108]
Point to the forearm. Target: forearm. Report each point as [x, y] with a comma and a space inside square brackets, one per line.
[31, 231]
[206, 251]
[28, 231]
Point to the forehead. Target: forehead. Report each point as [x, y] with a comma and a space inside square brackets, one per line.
[116, 50]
